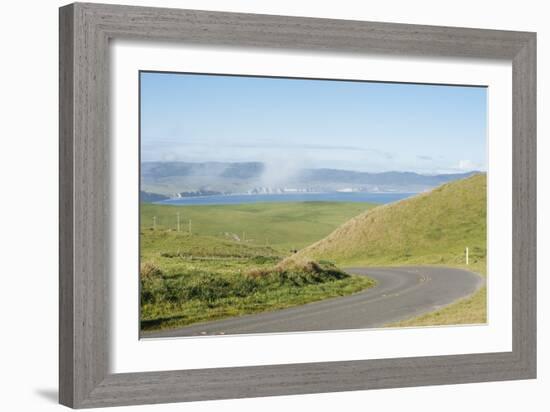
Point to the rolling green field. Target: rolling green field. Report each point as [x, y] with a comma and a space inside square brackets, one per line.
[232, 261]
[283, 226]
[429, 229]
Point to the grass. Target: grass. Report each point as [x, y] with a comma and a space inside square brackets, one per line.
[429, 229]
[188, 278]
[470, 310]
[283, 226]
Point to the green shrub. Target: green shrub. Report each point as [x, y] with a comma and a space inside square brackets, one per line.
[298, 273]
[153, 289]
[208, 288]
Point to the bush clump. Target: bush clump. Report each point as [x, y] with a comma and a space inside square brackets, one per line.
[149, 270]
[299, 272]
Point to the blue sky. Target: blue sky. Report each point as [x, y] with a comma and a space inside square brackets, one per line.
[297, 123]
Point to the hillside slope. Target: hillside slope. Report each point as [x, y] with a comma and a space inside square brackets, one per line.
[431, 228]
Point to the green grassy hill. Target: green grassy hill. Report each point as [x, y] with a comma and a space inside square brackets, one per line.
[431, 228]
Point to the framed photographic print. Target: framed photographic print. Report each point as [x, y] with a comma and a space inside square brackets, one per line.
[275, 203]
[242, 196]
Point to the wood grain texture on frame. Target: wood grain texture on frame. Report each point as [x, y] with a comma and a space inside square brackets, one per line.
[85, 31]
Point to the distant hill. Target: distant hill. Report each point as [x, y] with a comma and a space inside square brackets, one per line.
[147, 197]
[393, 181]
[433, 227]
[172, 178]
[156, 170]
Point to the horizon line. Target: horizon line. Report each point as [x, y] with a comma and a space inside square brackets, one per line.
[459, 172]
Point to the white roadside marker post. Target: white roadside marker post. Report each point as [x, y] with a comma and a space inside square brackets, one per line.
[467, 257]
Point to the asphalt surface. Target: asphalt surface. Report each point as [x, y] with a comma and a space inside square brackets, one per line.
[401, 293]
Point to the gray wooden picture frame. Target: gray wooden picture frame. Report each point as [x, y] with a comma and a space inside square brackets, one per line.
[85, 32]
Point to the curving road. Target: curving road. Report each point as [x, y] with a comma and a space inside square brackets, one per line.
[401, 293]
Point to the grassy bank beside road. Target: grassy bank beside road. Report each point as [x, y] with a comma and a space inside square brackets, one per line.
[470, 310]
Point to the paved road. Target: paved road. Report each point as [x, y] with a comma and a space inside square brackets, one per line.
[401, 293]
